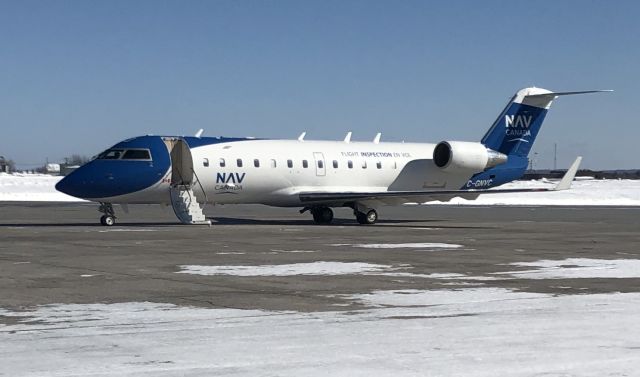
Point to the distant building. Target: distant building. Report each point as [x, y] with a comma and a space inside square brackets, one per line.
[4, 165]
[53, 169]
[67, 169]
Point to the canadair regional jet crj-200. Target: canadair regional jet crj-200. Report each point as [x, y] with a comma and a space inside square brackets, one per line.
[189, 172]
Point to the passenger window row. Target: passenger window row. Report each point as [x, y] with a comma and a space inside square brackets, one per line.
[305, 163]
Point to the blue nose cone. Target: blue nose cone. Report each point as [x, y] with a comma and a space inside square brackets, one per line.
[63, 186]
[71, 185]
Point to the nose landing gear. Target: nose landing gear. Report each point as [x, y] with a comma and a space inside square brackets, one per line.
[109, 217]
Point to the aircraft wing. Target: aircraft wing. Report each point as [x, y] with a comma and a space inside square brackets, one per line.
[396, 197]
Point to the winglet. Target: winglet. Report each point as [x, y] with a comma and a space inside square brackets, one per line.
[347, 138]
[376, 140]
[301, 137]
[199, 133]
[565, 182]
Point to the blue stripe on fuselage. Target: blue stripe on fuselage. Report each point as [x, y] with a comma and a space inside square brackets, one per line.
[513, 169]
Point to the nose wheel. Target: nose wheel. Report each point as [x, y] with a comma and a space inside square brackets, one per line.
[109, 217]
[107, 220]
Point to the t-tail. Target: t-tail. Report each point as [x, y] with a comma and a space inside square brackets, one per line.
[515, 131]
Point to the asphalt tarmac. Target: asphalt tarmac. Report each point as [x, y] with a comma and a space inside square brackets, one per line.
[58, 253]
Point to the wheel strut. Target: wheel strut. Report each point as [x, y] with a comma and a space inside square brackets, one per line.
[109, 216]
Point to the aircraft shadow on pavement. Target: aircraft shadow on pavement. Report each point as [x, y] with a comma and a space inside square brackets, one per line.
[92, 224]
[223, 221]
[340, 222]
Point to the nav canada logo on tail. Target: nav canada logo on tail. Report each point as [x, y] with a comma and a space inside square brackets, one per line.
[518, 125]
[517, 121]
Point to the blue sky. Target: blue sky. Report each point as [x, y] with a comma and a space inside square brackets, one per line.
[78, 76]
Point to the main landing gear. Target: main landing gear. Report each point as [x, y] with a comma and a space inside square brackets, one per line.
[109, 217]
[366, 218]
[323, 215]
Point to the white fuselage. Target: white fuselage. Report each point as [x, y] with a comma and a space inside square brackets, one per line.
[330, 167]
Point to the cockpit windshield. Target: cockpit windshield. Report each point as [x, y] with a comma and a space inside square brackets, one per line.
[125, 154]
[136, 154]
[110, 154]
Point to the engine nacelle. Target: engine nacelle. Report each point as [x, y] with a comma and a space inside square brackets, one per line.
[467, 156]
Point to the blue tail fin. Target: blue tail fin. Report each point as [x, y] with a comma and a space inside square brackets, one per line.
[513, 134]
[515, 130]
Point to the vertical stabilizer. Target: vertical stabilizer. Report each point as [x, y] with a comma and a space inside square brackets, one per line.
[515, 130]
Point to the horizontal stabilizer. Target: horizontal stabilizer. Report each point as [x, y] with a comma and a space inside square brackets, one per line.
[556, 94]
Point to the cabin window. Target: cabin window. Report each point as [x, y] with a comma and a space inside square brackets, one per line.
[305, 164]
[350, 164]
[379, 165]
[205, 162]
[256, 163]
[320, 164]
[111, 154]
[289, 164]
[273, 163]
[335, 164]
[137, 154]
[364, 164]
[222, 163]
[239, 162]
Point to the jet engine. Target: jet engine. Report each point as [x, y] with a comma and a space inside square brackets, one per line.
[467, 156]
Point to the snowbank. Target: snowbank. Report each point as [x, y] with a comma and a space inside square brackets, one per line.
[31, 188]
[583, 192]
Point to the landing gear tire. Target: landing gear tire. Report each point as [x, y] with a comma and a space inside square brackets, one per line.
[107, 220]
[109, 217]
[322, 215]
[368, 218]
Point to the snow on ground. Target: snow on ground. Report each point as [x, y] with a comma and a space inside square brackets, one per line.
[578, 268]
[465, 332]
[582, 192]
[313, 268]
[36, 187]
[31, 188]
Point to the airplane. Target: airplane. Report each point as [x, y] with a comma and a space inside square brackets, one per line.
[188, 172]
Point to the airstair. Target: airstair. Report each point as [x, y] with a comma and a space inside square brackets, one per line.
[186, 206]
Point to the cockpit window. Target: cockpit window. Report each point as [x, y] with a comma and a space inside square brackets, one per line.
[136, 154]
[110, 154]
[125, 154]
